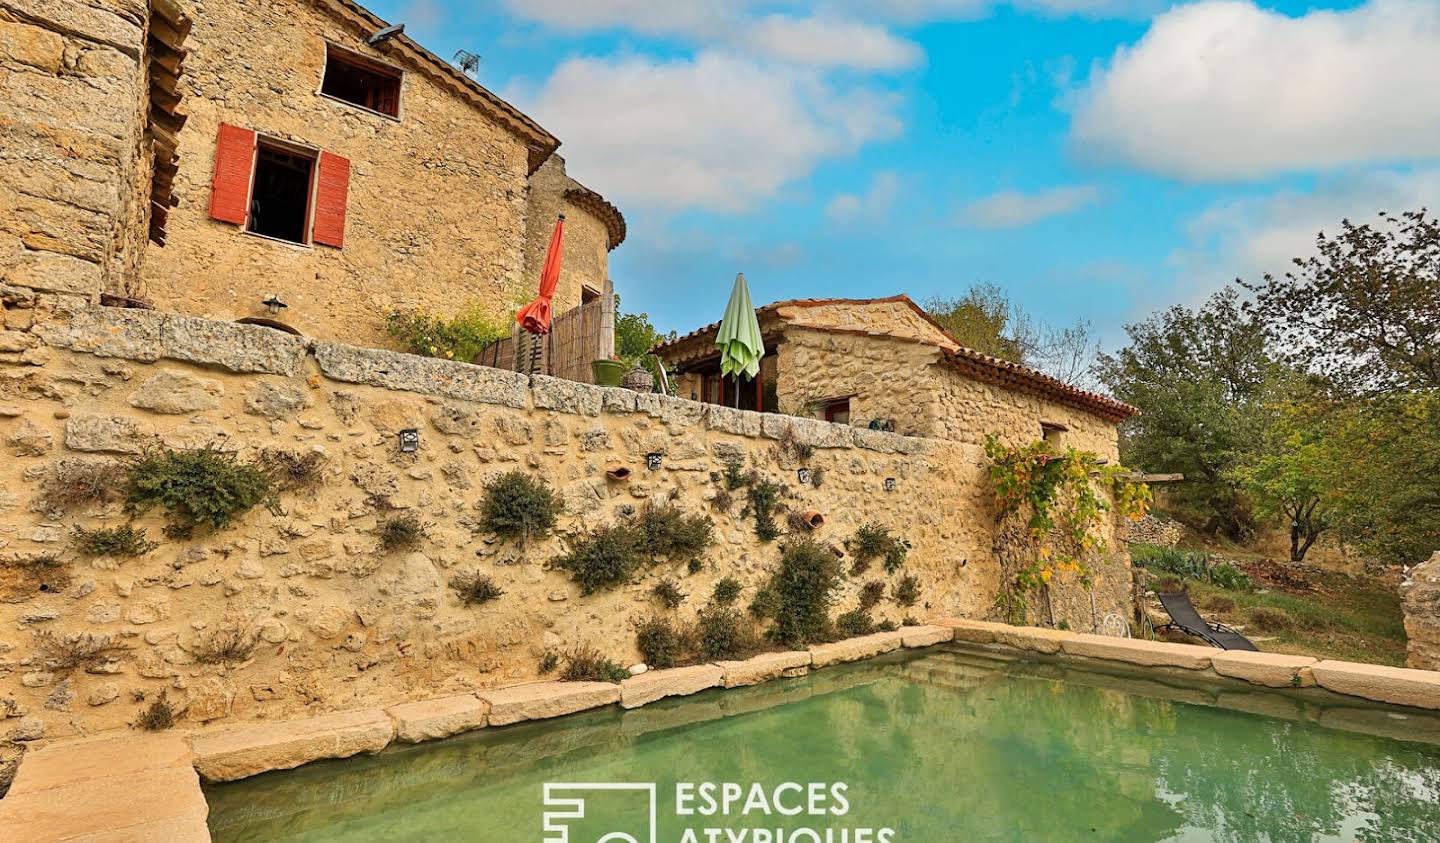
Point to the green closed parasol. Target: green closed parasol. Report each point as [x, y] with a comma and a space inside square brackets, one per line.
[739, 338]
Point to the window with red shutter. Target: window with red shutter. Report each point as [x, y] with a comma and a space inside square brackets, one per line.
[280, 196]
[331, 193]
[234, 162]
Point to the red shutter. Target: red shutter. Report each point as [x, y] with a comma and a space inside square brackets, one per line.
[330, 193]
[234, 161]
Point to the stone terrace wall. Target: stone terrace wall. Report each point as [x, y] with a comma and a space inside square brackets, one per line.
[341, 622]
[72, 93]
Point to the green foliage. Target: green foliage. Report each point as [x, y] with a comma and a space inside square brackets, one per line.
[1191, 565]
[206, 488]
[763, 499]
[401, 532]
[660, 643]
[986, 320]
[800, 593]
[634, 337]
[765, 603]
[158, 715]
[113, 541]
[727, 591]
[722, 633]
[519, 506]
[603, 558]
[549, 661]
[854, 622]
[586, 664]
[474, 588]
[665, 531]
[460, 338]
[735, 476]
[871, 593]
[873, 541]
[1227, 576]
[907, 591]
[1269, 620]
[668, 593]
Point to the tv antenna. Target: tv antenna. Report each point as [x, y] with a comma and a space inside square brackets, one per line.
[468, 62]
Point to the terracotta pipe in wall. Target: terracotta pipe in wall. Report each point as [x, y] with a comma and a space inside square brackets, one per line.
[619, 473]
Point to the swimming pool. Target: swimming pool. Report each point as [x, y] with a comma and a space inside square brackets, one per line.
[946, 745]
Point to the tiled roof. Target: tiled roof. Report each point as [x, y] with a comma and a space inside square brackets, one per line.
[583, 197]
[967, 361]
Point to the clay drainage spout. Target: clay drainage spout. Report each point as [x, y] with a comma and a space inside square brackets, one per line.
[619, 473]
[812, 520]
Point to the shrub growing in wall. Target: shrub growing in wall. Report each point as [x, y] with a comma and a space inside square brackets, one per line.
[205, 488]
[762, 501]
[801, 592]
[661, 643]
[519, 506]
[722, 633]
[586, 664]
[602, 558]
[663, 531]
[113, 541]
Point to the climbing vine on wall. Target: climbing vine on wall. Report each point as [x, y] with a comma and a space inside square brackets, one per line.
[1060, 498]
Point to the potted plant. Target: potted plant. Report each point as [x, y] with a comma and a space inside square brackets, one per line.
[608, 372]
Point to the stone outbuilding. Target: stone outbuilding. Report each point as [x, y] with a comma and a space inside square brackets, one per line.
[886, 363]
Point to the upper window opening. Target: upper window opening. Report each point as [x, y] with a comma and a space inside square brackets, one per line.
[360, 82]
[588, 294]
[1052, 432]
[280, 198]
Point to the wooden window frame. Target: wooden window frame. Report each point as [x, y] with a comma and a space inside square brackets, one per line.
[355, 57]
[293, 148]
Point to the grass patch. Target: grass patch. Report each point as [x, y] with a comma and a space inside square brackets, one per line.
[854, 622]
[113, 541]
[873, 541]
[474, 588]
[205, 488]
[586, 664]
[519, 506]
[292, 469]
[871, 593]
[230, 643]
[64, 653]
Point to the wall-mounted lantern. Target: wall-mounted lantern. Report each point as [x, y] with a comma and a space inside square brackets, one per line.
[889, 484]
[409, 440]
[652, 462]
[804, 475]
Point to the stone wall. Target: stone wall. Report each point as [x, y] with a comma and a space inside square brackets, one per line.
[1421, 603]
[883, 378]
[586, 259]
[72, 94]
[437, 203]
[341, 622]
[965, 410]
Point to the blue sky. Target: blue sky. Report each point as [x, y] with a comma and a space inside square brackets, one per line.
[1097, 159]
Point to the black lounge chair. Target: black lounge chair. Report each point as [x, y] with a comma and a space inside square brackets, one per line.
[1184, 618]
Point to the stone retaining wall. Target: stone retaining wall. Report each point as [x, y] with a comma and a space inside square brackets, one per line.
[340, 622]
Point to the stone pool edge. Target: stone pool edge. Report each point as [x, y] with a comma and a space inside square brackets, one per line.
[85, 789]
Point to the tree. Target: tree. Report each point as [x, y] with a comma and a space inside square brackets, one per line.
[1290, 470]
[1365, 310]
[986, 320]
[635, 336]
[1202, 378]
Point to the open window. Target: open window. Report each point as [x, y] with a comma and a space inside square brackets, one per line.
[360, 81]
[1053, 432]
[280, 195]
[836, 411]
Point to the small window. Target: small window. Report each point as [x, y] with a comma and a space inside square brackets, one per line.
[837, 411]
[588, 294]
[280, 197]
[1052, 432]
[355, 80]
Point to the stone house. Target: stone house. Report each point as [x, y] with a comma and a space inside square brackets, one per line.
[887, 363]
[287, 148]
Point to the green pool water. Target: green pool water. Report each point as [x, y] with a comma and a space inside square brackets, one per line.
[951, 745]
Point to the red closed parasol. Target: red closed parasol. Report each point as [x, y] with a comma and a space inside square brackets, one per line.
[535, 316]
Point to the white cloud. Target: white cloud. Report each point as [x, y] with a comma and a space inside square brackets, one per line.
[873, 206]
[825, 42]
[1246, 238]
[697, 18]
[716, 132]
[1225, 90]
[1011, 209]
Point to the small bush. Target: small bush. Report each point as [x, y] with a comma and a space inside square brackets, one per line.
[76, 482]
[230, 643]
[762, 501]
[401, 532]
[854, 622]
[205, 488]
[871, 594]
[586, 664]
[907, 591]
[668, 593]
[886, 626]
[519, 506]
[664, 531]
[735, 477]
[460, 338]
[804, 587]
[817, 477]
[1227, 576]
[727, 591]
[113, 541]
[722, 633]
[158, 715]
[474, 588]
[63, 654]
[603, 558]
[790, 444]
[1266, 619]
[549, 660]
[910, 620]
[765, 603]
[661, 644]
[1168, 585]
[895, 555]
[1182, 563]
[723, 500]
[873, 541]
[292, 469]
